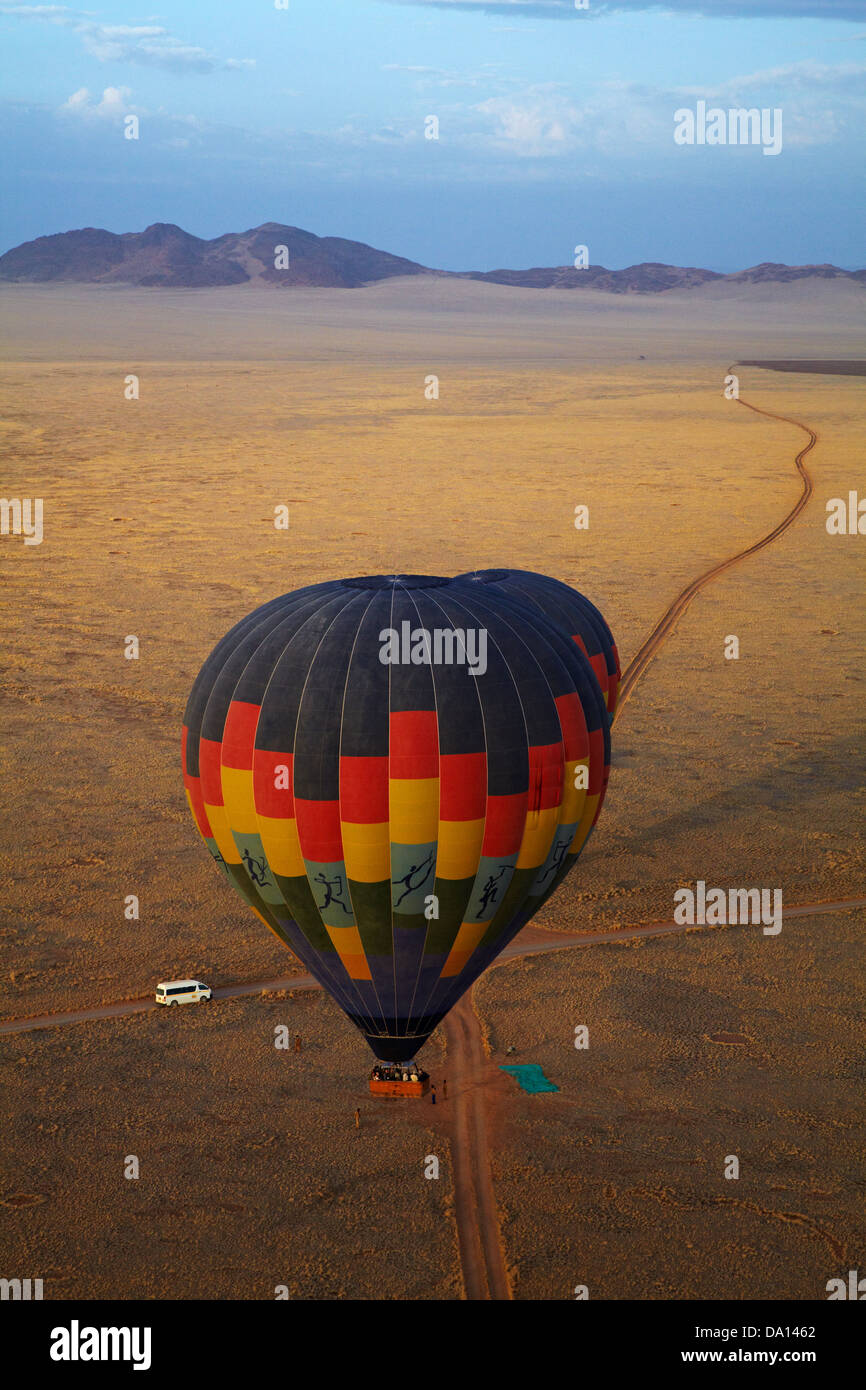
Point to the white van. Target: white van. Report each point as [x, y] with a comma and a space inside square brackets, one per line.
[182, 992]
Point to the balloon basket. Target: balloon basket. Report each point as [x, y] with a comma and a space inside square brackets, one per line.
[388, 1081]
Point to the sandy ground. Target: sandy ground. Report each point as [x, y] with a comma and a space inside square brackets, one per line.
[158, 522]
[425, 320]
[701, 1046]
[252, 1172]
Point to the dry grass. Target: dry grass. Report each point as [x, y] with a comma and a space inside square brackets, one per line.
[252, 1173]
[158, 517]
[700, 1046]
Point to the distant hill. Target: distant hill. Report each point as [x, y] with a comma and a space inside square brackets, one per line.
[649, 277]
[652, 277]
[166, 255]
[772, 270]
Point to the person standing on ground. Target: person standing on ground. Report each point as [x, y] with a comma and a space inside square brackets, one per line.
[432, 1095]
[357, 1119]
[297, 1042]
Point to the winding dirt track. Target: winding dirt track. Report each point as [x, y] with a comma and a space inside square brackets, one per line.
[477, 1221]
[639, 663]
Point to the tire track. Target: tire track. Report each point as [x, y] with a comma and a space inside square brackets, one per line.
[481, 1256]
[640, 662]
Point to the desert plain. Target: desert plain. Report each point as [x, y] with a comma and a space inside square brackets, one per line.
[159, 523]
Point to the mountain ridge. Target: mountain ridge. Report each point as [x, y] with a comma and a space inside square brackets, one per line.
[166, 256]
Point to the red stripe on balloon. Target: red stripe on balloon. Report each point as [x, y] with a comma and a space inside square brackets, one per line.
[239, 734]
[599, 666]
[193, 786]
[413, 749]
[545, 776]
[462, 786]
[319, 830]
[596, 762]
[364, 790]
[209, 763]
[268, 769]
[572, 721]
[503, 831]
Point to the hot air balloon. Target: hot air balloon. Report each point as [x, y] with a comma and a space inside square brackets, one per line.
[396, 771]
[568, 609]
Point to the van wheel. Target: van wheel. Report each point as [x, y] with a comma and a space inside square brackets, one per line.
[172, 1003]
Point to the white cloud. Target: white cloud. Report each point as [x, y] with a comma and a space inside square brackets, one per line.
[539, 124]
[149, 45]
[794, 77]
[113, 105]
[821, 105]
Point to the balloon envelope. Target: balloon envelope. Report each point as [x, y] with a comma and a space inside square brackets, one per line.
[395, 772]
[570, 610]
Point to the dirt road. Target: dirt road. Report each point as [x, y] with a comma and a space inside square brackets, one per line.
[531, 941]
[639, 663]
[481, 1256]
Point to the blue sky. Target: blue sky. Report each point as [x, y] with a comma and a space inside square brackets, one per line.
[555, 126]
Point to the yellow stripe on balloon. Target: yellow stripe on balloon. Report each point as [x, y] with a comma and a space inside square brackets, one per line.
[366, 850]
[585, 826]
[414, 809]
[219, 824]
[538, 833]
[459, 850]
[350, 949]
[467, 939]
[240, 803]
[573, 797]
[282, 847]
